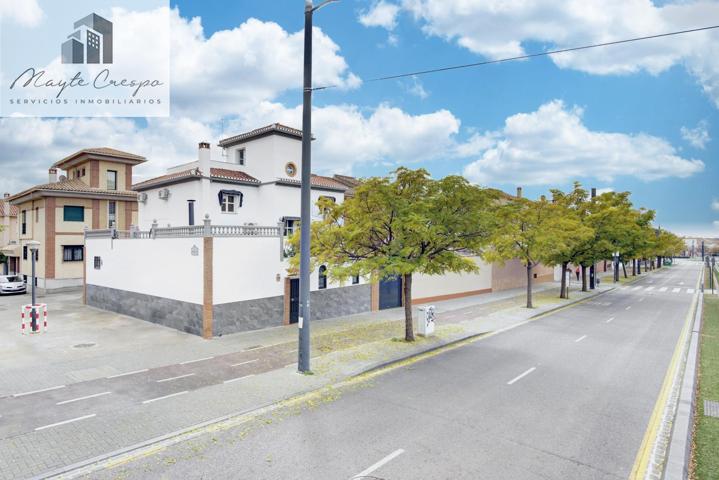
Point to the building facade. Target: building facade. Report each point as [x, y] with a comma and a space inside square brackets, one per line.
[9, 247]
[93, 193]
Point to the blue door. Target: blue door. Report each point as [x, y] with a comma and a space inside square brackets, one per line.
[390, 293]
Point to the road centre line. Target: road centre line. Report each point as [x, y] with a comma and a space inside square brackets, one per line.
[521, 376]
[39, 391]
[175, 378]
[238, 378]
[129, 373]
[65, 422]
[580, 339]
[164, 397]
[244, 363]
[83, 398]
[379, 464]
[610, 320]
[197, 360]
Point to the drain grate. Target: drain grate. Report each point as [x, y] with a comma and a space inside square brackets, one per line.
[83, 345]
[711, 409]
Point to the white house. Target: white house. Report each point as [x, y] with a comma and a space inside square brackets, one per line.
[256, 183]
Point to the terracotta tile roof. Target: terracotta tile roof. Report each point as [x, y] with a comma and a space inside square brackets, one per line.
[347, 180]
[225, 174]
[317, 181]
[105, 151]
[170, 177]
[7, 210]
[194, 173]
[259, 132]
[72, 186]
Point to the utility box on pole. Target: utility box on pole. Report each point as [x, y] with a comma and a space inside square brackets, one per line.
[425, 321]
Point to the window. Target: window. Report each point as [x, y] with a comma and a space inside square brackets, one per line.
[97, 262]
[291, 169]
[324, 211]
[228, 203]
[191, 212]
[24, 252]
[72, 213]
[72, 253]
[240, 156]
[111, 214]
[37, 214]
[323, 277]
[111, 180]
[291, 226]
[23, 227]
[355, 279]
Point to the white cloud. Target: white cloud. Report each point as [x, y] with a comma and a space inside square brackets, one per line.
[697, 137]
[499, 29]
[380, 14]
[348, 136]
[416, 88]
[553, 146]
[604, 190]
[715, 205]
[233, 70]
[26, 12]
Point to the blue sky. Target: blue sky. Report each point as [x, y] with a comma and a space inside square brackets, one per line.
[638, 118]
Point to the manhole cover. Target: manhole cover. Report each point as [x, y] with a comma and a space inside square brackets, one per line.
[83, 345]
[711, 409]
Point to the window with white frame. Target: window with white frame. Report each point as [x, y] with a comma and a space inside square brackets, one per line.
[292, 224]
[322, 277]
[229, 203]
[240, 156]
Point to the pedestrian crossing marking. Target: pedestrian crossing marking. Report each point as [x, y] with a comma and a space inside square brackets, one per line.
[663, 289]
[690, 290]
[649, 289]
[676, 290]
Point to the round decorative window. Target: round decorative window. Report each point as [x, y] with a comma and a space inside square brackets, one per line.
[291, 169]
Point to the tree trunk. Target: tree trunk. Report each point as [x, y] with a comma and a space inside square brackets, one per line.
[407, 299]
[564, 292]
[624, 269]
[639, 266]
[605, 265]
[634, 267]
[529, 285]
[584, 279]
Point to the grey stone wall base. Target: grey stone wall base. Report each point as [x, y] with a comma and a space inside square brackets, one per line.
[342, 301]
[183, 316]
[247, 315]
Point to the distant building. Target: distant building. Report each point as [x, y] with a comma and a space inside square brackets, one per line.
[9, 246]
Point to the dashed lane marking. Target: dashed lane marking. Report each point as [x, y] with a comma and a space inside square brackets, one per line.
[238, 378]
[164, 397]
[196, 360]
[39, 391]
[64, 422]
[244, 363]
[175, 378]
[580, 339]
[378, 465]
[128, 373]
[521, 376]
[86, 397]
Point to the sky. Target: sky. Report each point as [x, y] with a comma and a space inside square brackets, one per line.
[637, 117]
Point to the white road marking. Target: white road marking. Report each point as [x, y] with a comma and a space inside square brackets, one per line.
[166, 396]
[197, 360]
[641, 299]
[676, 290]
[637, 288]
[610, 320]
[65, 422]
[239, 378]
[380, 464]
[39, 391]
[690, 290]
[128, 373]
[663, 289]
[83, 398]
[649, 289]
[519, 377]
[244, 363]
[628, 307]
[175, 378]
[580, 339]
[681, 283]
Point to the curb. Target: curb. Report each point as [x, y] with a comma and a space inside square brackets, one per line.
[680, 443]
[87, 467]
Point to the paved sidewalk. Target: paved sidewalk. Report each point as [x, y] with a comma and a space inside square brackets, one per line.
[347, 347]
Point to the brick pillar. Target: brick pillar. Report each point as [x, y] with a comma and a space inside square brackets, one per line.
[49, 247]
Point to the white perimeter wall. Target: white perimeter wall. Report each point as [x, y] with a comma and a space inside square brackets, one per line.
[424, 286]
[162, 267]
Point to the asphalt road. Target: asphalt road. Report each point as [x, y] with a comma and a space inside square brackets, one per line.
[568, 396]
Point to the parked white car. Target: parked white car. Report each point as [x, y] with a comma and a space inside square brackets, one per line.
[12, 284]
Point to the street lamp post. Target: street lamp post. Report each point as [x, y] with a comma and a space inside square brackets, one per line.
[616, 267]
[303, 360]
[33, 246]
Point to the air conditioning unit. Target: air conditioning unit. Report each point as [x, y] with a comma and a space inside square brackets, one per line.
[164, 194]
[142, 198]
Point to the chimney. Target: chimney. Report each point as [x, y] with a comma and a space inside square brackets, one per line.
[594, 192]
[519, 192]
[5, 195]
[203, 156]
[52, 175]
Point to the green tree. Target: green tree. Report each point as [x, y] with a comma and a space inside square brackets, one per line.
[532, 231]
[399, 226]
